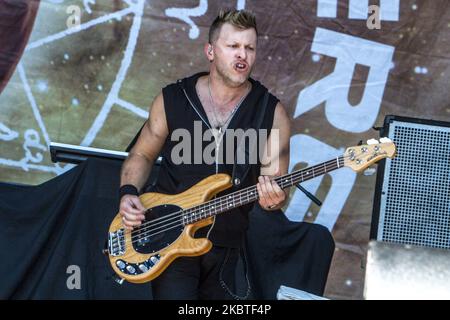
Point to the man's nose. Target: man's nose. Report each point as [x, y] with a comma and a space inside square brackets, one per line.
[242, 53]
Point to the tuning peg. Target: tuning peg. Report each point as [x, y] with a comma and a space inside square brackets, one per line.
[372, 141]
[385, 140]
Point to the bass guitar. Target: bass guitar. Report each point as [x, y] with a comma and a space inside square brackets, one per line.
[142, 254]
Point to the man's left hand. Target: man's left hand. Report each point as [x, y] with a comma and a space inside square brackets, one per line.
[271, 196]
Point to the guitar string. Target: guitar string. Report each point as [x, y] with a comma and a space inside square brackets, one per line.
[194, 212]
[321, 169]
[169, 226]
[227, 197]
[179, 222]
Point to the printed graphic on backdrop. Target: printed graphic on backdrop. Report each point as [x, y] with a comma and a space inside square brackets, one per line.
[91, 69]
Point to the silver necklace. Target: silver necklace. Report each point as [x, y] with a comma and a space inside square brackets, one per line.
[222, 126]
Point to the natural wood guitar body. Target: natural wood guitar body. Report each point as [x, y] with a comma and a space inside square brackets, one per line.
[185, 244]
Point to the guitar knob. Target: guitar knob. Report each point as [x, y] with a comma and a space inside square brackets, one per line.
[131, 269]
[143, 268]
[154, 259]
[120, 264]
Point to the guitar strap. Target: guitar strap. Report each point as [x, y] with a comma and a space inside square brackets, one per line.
[240, 171]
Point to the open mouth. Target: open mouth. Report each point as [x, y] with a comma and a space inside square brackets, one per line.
[239, 66]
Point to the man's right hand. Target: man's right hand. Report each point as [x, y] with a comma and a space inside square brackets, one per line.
[132, 211]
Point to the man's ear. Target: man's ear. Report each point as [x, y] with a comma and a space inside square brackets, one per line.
[209, 52]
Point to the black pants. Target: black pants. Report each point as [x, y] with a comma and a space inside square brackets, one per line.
[213, 276]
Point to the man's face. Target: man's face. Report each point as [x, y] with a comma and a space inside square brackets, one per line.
[235, 54]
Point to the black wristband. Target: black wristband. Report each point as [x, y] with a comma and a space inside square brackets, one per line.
[128, 189]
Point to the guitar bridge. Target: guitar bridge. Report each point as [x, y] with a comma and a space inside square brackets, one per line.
[116, 243]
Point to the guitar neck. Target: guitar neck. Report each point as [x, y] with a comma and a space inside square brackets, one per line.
[250, 194]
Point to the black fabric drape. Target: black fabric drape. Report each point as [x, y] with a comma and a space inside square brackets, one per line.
[46, 229]
[63, 222]
[282, 252]
[16, 22]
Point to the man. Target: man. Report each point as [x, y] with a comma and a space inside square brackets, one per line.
[224, 98]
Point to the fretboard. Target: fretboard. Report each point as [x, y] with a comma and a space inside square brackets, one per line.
[247, 195]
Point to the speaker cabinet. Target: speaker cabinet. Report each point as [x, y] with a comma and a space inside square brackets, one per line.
[412, 194]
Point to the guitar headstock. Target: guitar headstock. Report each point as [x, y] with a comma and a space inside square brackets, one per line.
[360, 157]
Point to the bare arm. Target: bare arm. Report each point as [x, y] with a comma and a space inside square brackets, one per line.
[137, 166]
[275, 161]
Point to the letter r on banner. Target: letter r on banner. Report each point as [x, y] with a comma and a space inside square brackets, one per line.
[334, 88]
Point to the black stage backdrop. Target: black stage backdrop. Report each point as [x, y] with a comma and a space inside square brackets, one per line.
[48, 229]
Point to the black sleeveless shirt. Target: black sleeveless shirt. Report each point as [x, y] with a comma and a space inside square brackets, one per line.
[185, 114]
